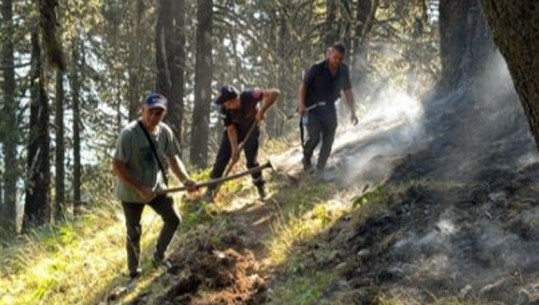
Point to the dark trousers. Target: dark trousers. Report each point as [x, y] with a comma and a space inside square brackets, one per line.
[224, 154]
[133, 211]
[321, 126]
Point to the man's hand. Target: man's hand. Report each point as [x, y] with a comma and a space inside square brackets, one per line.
[301, 109]
[191, 185]
[353, 119]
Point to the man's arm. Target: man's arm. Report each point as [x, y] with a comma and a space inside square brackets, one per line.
[347, 88]
[302, 95]
[305, 85]
[351, 105]
[269, 96]
[120, 170]
[178, 168]
[233, 139]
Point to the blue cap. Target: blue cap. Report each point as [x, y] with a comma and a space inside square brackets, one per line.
[227, 93]
[155, 100]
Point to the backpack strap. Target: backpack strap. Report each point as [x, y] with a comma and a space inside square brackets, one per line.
[154, 152]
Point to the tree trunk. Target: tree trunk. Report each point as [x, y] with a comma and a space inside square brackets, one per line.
[59, 178]
[280, 37]
[37, 206]
[134, 92]
[203, 77]
[133, 95]
[465, 43]
[364, 15]
[331, 33]
[177, 69]
[75, 95]
[515, 28]
[135, 67]
[466, 49]
[10, 124]
[48, 23]
[170, 59]
[346, 36]
[163, 39]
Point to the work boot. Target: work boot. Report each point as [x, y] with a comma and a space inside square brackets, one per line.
[135, 274]
[261, 191]
[307, 166]
[166, 265]
[161, 263]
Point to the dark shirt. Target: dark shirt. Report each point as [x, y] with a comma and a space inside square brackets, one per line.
[244, 116]
[321, 85]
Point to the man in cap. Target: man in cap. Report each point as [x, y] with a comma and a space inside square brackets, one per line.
[240, 111]
[141, 151]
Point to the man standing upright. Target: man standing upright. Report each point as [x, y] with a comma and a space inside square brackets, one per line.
[142, 149]
[322, 86]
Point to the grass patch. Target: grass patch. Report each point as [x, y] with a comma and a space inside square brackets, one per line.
[80, 261]
[307, 212]
[302, 290]
[306, 216]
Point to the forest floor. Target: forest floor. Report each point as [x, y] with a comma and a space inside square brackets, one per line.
[398, 221]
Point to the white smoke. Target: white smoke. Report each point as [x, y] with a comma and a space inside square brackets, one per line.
[391, 128]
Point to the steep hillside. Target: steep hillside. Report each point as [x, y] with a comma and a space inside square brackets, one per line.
[430, 202]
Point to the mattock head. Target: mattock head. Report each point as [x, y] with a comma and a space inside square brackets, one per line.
[268, 165]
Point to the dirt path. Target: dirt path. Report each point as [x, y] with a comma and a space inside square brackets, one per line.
[222, 263]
